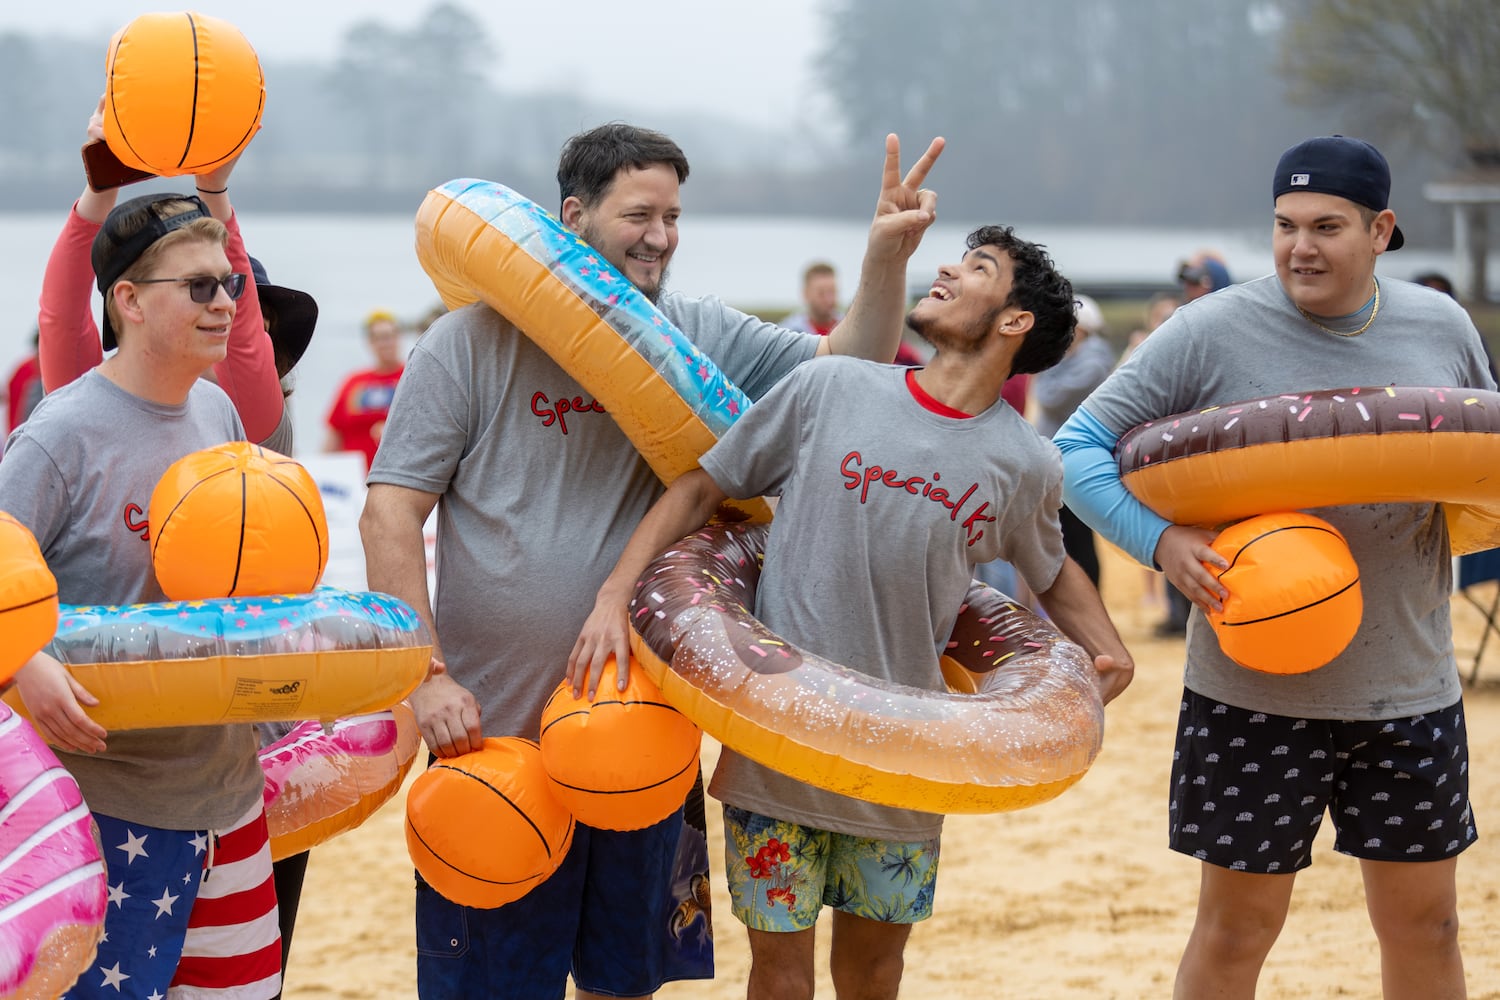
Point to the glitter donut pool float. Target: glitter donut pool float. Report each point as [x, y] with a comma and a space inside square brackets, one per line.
[1018, 736]
[281, 658]
[1385, 444]
[482, 242]
[322, 781]
[1021, 722]
[52, 882]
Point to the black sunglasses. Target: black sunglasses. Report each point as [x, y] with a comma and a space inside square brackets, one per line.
[203, 288]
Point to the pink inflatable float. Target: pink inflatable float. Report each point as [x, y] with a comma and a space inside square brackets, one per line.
[321, 783]
[52, 886]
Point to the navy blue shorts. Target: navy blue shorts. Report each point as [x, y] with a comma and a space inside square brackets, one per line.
[1249, 789]
[609, 916]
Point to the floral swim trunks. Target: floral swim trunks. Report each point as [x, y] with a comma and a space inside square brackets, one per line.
[781, 874]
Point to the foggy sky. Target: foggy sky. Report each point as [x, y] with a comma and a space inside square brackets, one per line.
[751, 61]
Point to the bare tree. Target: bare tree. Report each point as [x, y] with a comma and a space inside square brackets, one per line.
[1427, 70]
[414, 92]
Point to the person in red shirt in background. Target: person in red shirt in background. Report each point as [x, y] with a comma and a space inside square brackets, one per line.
[24, 390]
[820, 296]
[357, 417]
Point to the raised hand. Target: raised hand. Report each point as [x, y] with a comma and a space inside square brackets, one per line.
[905, 209]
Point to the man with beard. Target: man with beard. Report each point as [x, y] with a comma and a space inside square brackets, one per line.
[532, 514]
[872, 575]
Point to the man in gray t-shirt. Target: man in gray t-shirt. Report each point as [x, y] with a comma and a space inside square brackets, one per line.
[537, 490]
[870, 571]
[1375, 738]
[80, 475]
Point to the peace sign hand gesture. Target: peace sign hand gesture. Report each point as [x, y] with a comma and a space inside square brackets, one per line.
[905, 209]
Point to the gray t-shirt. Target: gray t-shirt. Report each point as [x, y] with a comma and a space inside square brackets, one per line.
[886, 508]
[79, 473]
[280, 440]
[539, 488]
[1249, 341]
[1057, 391]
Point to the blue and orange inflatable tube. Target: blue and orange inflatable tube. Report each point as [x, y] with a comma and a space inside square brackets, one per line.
[481, 241]
[281, 658]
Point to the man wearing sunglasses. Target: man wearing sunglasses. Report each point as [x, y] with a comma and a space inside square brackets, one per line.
[79, 474]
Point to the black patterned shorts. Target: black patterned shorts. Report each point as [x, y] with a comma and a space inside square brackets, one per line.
[1249, 789]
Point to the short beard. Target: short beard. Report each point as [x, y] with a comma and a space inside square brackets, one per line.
[944, 341]
[653, 294]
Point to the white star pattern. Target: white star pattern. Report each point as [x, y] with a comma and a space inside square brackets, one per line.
[200, 843]
[164, 905]
[134, 847]
[113, 977]
[118, 895]
[151, 951]
[156, 996]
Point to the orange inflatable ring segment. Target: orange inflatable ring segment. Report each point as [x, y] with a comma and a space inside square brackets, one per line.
[1326, 448]
[52, 882]
[28, 597]
[324, 781]
[281, 658]
[480, 241]
[1022, 722]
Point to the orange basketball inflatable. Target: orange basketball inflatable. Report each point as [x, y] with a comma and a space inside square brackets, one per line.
[483, 829]
[28, 597]
[184, 93]
[1294, 598]
[237, 520]
[625, 760]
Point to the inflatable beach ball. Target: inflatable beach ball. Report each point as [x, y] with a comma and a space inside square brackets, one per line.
[184, 93]
[483, 828]
[237, 520]
[625, 760]
[28, 597]
[1294, 598]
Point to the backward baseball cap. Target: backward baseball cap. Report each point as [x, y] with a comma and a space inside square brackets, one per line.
[1342, 166]
[128, 230]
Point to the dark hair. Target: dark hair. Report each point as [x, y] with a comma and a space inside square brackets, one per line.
[590, 160]
[1038, 287]
[1436, 280]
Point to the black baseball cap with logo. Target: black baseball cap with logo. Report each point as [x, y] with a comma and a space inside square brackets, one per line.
[128, 230]
[1338, 165]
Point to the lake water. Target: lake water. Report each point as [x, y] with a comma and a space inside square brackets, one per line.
[353, 264]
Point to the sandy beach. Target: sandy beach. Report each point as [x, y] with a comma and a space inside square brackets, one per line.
[1077, 898]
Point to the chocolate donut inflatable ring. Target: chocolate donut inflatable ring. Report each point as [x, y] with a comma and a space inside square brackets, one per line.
[1021, 722]
[1385, 444]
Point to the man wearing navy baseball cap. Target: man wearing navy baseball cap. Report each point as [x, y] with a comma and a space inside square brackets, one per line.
[1374, 740]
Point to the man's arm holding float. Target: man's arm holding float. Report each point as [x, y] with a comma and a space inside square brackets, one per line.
[872, 327]
[684, 508]
[396, 563]
[1074, 605]
[1093, 490]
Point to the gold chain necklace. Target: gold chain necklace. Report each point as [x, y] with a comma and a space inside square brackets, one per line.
[1339, 333]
